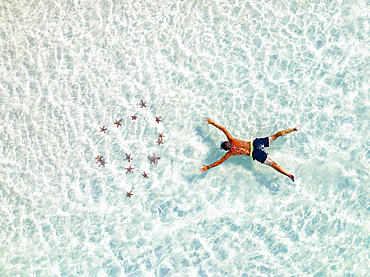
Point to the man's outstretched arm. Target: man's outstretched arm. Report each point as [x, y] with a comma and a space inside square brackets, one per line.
[210, 121]
[220, 161]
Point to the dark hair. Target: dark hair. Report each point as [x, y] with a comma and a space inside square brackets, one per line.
[226, 145]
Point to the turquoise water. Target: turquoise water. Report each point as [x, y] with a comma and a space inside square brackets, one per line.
[70, 67]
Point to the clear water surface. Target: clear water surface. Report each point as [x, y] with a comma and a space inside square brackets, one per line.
[255, 67]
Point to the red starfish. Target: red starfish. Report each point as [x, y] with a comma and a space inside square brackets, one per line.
[129, 169]
[159, 141]
[154, 159]
[158, 119]
[134, 117]
[142, 104]
[145, 175]
[118, 123]
[161, 135]
[103, 129]
[99, 159]
[128, 157]
[129, 194]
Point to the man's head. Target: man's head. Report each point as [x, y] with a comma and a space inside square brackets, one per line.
[225, 145]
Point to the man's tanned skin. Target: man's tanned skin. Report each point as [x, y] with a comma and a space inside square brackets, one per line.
[237, 147]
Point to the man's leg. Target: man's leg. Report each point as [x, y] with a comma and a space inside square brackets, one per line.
[279, 168]
[283, 133]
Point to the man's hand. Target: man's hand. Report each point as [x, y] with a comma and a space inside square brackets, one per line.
[204, 168]
[208, 120]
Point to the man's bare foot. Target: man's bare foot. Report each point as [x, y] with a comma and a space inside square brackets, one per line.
[292, 177]
[298, 128]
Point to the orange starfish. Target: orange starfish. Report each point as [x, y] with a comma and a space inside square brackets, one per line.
[142, 104]
[99, 159]
[129, 169]
[154, 159]
[158, 119]
[134, 117]
[145, 175]
[159, 141]
[118, 123]
[129, 194]
[161, 135]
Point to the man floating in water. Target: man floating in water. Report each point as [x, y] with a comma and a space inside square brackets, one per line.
[254, 149]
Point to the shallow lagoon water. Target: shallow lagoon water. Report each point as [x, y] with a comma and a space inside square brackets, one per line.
[70, 67]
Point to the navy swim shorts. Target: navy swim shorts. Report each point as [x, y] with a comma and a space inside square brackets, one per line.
[258, 149]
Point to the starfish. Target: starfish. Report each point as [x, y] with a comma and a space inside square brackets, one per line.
[118, 123]
[129, 194]
[103, 129]
[161, 135]
[102, 163]
[158, 119]
[142, 104]
[134, 117]
[129, 169]
[128, 157]
[145, 175]
[154, 159]
[99, 159]
[159, 141]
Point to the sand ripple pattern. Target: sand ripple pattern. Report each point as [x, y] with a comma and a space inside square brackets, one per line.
[255, 67]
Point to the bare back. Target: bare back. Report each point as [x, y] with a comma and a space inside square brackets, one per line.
[240, 147]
